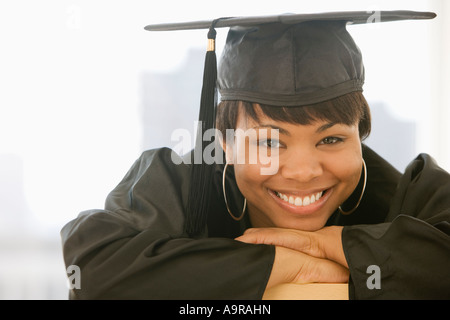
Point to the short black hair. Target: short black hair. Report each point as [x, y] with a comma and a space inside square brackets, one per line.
[347, 109]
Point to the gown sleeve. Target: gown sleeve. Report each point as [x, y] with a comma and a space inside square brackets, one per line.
[412, 248]
[135, 248]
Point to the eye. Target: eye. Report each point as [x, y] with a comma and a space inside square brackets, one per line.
[331, 140]
[270, 143]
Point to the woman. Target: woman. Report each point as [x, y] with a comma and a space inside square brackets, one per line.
[320, 164]
[330, 211]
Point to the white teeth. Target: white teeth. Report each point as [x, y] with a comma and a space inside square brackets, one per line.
[291, 200]
[299, 201]
[306, 201]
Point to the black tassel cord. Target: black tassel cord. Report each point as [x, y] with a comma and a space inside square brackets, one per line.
[202, 173]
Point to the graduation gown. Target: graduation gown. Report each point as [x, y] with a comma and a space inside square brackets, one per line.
[135, 247]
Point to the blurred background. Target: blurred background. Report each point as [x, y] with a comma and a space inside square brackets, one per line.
[84, 89]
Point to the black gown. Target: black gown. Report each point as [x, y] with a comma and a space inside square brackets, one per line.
[135, 247]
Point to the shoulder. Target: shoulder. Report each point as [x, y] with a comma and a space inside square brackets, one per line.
[157, 175]
[423, 190]
[163, 154]
[159, 160]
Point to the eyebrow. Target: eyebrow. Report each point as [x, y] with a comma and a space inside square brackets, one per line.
[281, 130]
[326, 126]
[322, 128]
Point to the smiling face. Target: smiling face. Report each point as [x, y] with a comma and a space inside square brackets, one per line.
[318, 167]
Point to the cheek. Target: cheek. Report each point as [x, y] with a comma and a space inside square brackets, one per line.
[347, 169]
[243, 152]
[248, 178]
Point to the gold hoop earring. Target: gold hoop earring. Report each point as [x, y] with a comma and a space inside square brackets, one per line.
[362, 193]
[225, 196]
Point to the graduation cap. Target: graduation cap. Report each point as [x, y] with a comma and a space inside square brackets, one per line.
[280, 60]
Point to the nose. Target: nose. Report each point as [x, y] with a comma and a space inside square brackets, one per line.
[301, 166]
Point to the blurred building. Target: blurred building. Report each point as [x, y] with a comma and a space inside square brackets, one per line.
[391, 137]
[31, 265]
[171, 101]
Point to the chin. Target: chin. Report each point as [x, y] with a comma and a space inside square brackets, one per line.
[312, 226]
[303, 224]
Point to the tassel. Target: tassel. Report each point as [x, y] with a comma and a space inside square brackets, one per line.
[202, 174]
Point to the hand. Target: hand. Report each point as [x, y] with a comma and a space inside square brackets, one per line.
[291, 266]
[325, 243]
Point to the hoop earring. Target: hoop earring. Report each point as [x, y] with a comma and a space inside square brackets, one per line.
[225, 197]
[362, 193]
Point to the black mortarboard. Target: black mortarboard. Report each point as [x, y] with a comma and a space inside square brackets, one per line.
[280, 60]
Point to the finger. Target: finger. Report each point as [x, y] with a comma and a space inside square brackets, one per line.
[258, 236]
[288, 238]
[322, 270]
[262, 236]
[252, 230]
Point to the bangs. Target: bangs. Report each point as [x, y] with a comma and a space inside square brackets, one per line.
[349, 109]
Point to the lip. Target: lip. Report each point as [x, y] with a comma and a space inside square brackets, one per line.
[309, 209]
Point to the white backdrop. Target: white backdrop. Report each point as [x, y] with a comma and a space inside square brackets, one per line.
[71, 104]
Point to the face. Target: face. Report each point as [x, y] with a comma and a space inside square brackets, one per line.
[317, 168]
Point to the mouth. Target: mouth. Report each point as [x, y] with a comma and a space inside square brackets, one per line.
[300, 201]
[304, 203]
